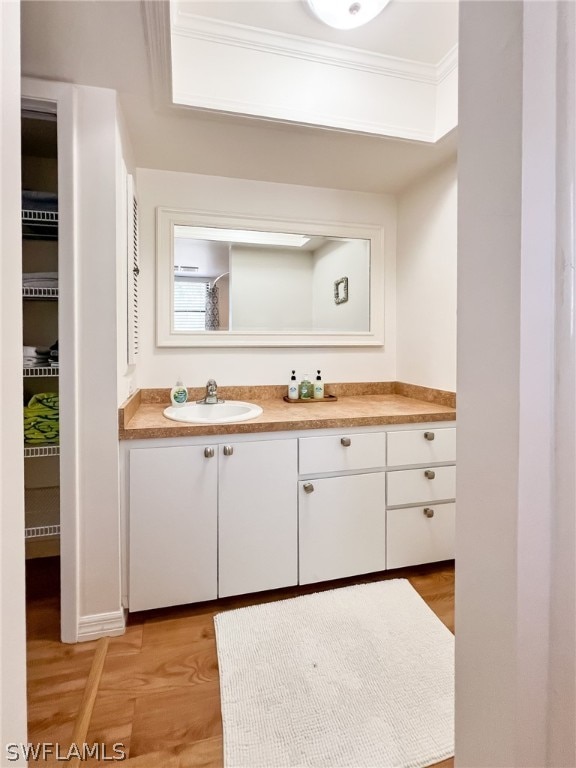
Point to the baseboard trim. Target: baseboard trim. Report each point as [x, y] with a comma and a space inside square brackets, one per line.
[102, 625]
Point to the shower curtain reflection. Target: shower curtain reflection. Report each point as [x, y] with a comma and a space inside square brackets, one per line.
[212, 308]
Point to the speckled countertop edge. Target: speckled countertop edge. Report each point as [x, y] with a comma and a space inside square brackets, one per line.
[371, 404]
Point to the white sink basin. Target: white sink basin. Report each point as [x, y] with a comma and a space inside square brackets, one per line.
[227, 412]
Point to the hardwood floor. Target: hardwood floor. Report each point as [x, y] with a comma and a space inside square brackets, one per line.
[157, 692]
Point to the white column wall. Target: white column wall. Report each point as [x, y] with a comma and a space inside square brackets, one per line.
[562, 694]
[97, 206]
[515, 530]
[12, 617]
[89, 208]
[426, 281]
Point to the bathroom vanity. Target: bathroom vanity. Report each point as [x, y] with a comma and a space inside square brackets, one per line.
[302, 494]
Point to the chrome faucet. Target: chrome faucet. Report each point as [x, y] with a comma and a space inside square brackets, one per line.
[211, 393]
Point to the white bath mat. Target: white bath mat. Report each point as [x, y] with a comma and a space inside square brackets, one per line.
[359, 677]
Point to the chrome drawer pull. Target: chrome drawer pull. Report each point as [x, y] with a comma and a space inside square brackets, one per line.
[308, 487]
[430, 474]
[228, 450]
[346, 442]
[209, 453]
[428, 435]
[428, 512]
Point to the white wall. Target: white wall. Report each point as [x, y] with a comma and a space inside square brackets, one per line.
[12, 619]
[270, 289]
[426, 281]
[515, 609]
[96, 196]
[333, 261]
[160, 367]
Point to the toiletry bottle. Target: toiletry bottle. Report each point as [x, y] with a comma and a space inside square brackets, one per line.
[293, 387]
[318, 388]
[178, 394]
[306, 389]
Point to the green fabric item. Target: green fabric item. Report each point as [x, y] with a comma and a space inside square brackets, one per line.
[41, 419]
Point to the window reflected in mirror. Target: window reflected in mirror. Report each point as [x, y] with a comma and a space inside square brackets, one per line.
[250, 281]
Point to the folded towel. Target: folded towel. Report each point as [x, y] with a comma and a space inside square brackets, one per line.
[27, 276]
[39, 201]
[41, 419]
[40, 279]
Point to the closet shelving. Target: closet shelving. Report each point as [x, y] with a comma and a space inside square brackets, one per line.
[39, 225]
[40, 314]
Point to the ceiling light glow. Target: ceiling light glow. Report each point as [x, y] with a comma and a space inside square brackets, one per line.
[245, 236]
[347, 14]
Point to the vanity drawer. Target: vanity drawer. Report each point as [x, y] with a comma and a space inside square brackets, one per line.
[413, 486]
[421, 446]
[338, 453]
[422, 534]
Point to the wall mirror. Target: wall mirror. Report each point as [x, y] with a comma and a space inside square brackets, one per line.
[238, 281]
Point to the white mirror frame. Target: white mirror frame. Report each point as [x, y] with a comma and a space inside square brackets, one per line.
[168, 218]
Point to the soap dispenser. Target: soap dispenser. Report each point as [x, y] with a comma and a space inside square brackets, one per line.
[293, 387]
[306, 389]
[178, 394]
[318, 387]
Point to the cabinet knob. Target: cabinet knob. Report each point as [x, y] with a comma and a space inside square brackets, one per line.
[428, 512]
[228, 450]
[430, 474]
[209, 453]
[346, 442]
[308, 487]
[428, 435]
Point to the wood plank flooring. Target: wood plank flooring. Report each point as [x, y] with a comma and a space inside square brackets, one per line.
[158, 693]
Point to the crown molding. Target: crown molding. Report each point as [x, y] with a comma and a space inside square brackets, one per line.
[295, 46]
[447, 65]
[307, 117]
[156, 17]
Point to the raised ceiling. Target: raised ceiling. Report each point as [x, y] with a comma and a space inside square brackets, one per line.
[106, 43]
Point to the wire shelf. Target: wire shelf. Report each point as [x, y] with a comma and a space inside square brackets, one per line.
[42, 512]
[36, 451]
[28, 292]
[40, 225]
[36, 371]
[41, 531]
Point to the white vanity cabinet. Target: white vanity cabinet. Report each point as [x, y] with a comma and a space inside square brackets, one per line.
[342, 526]
[257, 519]
[421, 513]
[226, 515]
[172, 526]
[342, 519]
[210, 520]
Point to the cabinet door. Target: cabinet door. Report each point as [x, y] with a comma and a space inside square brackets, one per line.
[172, 527]
[420, 535]
[342, 526]
[257, 516]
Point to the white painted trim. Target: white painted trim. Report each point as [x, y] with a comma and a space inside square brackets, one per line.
[304, 117]
[167, 218]
[101, 625]
[156, 17]
[12, 577]
[62, 95]
[394, 97]
[447, 65]
[295, 46]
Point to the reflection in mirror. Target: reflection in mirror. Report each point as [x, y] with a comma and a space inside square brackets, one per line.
[251, 281]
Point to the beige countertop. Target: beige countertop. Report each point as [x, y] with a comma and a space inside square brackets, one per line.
[358, 405]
